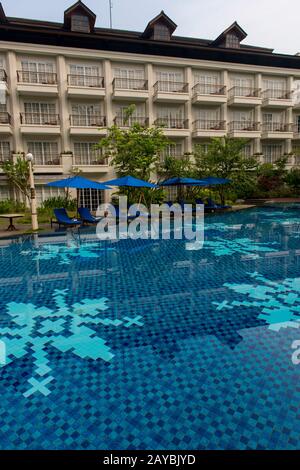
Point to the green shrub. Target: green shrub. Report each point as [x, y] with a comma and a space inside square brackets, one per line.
[55, 203]
[9, 206]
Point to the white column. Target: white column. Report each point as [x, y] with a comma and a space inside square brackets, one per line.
[188, 109]
[63, 105]
[149, 103]
[108, 105]
[14, 100]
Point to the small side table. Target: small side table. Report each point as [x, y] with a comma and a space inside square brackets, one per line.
[11, 227]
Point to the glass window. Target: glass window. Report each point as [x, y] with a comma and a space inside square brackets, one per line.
[161, 32]
[91, 198]
[4, 193]
[44, 153]
[84, 75]
[4, 151]
[80, 23]
[86, 153]
[272, 152]
[232, 41]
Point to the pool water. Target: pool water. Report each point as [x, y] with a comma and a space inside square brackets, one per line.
[142, 344]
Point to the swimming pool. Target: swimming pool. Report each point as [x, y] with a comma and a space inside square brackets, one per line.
[143, 344]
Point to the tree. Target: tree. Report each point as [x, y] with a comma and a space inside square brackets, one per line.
[271, 176]
[134, 151]
[224, 159]
[17, 174]
[293, 179]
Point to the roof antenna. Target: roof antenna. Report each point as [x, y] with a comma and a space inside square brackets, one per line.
[110, 13]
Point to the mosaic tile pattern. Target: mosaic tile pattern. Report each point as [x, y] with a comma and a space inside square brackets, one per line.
[193, 362]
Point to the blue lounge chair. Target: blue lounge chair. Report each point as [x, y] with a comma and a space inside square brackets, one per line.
[212, 203]
[87, 217]
[62, 218]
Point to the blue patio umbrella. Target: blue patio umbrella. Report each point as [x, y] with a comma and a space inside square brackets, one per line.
[77, 182]
[178, 181]
[213, 181]
[131, 182]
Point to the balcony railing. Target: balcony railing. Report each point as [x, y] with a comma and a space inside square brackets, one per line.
[40, 119]
[244, 91]
[126, 122]
[171, 87]
[244, 126]
[5, 118]
[172, 123]
[47, 160]
[130, 84]
[209, 89]
[43, 78]
[277, 127]
[3, 76]
[277, 94]
[91, 160]
[210, 124]
[85, 80]
[87, 120]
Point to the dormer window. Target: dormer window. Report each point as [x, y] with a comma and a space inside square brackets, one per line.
[80, 23]
[231, 37]
[161, 32]
[232, 41]
[160, 28]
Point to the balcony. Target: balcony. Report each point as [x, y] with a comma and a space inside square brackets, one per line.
[171, 92]
[244, 129]
[277, 130]
[87, 124]
[277, 98]
[127, 122]
[91, 164]
[209, 94]
[130, 89]
[5, 123]
[40, 123]
[244, 96]
[3, 81]
[173, 127]
[37, 83]
[47, 164]
[84, 86]
[209, 128]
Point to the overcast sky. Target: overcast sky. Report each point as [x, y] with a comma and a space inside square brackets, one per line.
[270, 23]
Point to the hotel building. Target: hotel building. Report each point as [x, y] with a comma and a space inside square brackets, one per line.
[64, 83]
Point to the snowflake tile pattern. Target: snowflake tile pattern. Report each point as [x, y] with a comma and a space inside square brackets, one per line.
[64, 328]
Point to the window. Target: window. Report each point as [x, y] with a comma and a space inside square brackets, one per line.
[161, 32]
[44, 153]
[232, 41]
[86, 154]
[173, 150]
[40, 113]
[170, 81]
[275, 88]
[4, 193]
[128, 78]
[87, 115]
[38, 72]
[80, 23]
[46, 192]
[273, 122]
[4, 151]
[207, 83]
[297, 124]
[208, 118]
[84, 75]
[247, 151]
[90, 198]
[171, 117]
[272, 152]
